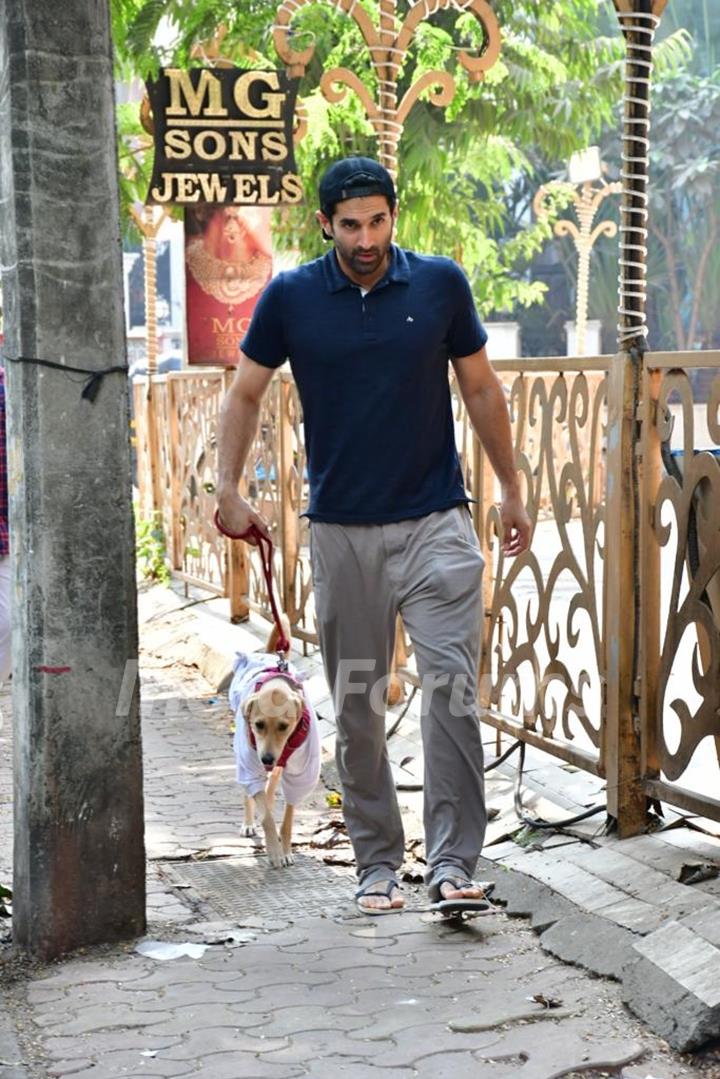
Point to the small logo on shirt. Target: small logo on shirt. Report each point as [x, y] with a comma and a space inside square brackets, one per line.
[409, 319]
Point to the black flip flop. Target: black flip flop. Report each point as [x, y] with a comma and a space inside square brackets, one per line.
[362, 893]
[453, 908]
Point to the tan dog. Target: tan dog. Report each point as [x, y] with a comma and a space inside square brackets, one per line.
[276, 733]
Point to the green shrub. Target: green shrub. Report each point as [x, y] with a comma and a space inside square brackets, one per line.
[150, 550]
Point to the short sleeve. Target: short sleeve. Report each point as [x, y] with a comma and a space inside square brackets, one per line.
[466, 333]
[265, 340]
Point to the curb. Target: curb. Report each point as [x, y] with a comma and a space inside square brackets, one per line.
[670, 977]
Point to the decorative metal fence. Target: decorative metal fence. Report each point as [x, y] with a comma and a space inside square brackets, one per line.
[623, 506]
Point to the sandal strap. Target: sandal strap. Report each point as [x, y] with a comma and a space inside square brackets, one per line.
[386, 893]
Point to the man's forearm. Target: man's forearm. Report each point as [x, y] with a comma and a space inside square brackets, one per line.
[489, 416]
[238, 424]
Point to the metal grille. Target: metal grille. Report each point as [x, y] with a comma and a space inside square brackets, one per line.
[237, 887]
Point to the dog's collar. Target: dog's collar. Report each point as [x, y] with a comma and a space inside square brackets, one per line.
[302, 727]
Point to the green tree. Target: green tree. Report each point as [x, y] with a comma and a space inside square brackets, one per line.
[555, 85]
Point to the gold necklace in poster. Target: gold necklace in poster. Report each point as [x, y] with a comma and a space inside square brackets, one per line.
[229, 282]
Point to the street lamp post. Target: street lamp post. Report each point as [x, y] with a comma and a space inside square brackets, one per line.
[584, 171]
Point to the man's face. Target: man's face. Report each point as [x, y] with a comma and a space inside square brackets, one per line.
[362, 230]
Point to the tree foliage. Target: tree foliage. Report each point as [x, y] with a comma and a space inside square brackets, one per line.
[555, 86]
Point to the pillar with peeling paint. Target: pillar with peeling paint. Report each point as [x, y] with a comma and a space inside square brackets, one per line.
[79, 867]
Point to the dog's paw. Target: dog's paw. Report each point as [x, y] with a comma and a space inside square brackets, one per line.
[275, 856]
[249, 831]
[288, 858]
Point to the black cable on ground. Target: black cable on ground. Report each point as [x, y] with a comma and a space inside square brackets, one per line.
[533, 822]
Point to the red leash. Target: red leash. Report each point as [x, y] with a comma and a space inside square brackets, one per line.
[265, 547]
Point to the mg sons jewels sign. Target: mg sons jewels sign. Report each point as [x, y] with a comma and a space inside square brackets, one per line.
[223, 135]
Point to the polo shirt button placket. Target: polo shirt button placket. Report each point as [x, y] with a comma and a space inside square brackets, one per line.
[368, 318]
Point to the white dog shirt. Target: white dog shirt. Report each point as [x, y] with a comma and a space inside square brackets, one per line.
[302, 769]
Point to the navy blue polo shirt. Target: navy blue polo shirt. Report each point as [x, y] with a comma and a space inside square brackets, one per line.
[372, 374]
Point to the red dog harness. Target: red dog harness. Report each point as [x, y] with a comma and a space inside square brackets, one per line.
[302, 726]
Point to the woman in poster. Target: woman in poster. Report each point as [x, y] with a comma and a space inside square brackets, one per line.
[228, 261]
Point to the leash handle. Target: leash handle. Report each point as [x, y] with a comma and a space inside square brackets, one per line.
[265, 547]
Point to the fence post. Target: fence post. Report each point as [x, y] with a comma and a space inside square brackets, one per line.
[626, 801]
[651, 471]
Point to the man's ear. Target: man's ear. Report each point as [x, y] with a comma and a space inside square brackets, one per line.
[248, 705]
[325, 225]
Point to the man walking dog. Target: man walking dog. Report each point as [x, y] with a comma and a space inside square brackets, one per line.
[369, 330]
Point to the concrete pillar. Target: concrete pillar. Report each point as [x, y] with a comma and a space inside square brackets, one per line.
[79, 867]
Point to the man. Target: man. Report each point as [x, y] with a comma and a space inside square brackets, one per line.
[369, 330]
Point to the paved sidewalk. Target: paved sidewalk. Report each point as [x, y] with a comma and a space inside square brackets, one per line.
[293, 981]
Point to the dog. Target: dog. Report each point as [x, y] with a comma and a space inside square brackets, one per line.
[276, 744]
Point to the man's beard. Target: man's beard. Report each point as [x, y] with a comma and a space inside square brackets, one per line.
[366, 265]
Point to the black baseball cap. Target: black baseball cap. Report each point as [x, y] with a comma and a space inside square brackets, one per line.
[354, 178]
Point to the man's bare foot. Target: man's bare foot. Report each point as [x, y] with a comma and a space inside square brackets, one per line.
[380, 897]
[471, 891]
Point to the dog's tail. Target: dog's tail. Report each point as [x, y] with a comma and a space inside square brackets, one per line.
[275, 634]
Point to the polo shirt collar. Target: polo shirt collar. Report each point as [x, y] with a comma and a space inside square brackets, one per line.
[398, 272]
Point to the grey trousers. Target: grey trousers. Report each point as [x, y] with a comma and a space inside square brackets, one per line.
[430, 570]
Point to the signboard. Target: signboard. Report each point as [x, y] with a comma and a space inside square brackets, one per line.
[228, 262]
[223, 135]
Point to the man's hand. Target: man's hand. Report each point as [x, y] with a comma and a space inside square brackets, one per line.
[237, 515]
[515, 524]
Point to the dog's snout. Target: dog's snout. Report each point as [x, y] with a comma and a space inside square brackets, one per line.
[267, 758]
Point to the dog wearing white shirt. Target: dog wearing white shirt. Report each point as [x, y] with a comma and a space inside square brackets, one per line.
[277, 744]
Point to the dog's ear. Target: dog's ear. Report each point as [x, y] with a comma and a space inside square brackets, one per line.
[248, 705]
[297, 699]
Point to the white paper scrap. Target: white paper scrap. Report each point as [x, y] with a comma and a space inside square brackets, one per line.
[159, 949]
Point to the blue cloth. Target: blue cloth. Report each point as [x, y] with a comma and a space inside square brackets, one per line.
[372, 374]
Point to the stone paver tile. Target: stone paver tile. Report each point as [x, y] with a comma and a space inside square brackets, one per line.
[67, 1047]
[79, 972]
[184, 1018]
[341, 1067]
[100, 1017]
[369, 1001]
[41, 994]
[223, 1039]
[385, 1023]
[62, 1068]
[342, 959]
[269, 998]
[319, 1042]
[127, 1062]
[188, 994]
[449, 1064]
[413, 1043]
[83, 1001]
[304, 981]
[246, 1066]
[291, 1019]
[180, 972]
[567, 1047]
[183, 1071]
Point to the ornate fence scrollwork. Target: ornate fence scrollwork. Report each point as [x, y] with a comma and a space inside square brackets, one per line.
[681, 630]
[544, 662]
[196, 400]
